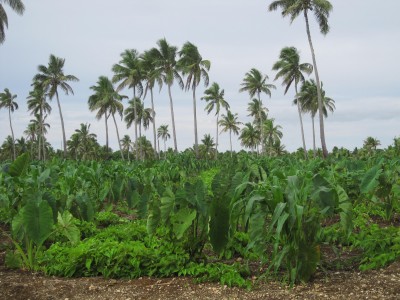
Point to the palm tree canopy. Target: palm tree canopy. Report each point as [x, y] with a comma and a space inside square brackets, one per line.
[215, 98]
[255, 83]
[165, 62]
[162, 132]
[144, 115]
[229, 122]
[105, 98]
[150, 73]
[37, 101]
[293, 8]
[129, 71]
[308, 99]
[17, 6]
[257, 110]
[249, 136]
[193, 66]
[52, 77]
[289, 67]
[7, 100]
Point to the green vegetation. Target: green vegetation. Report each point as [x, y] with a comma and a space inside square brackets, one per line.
[239, 217]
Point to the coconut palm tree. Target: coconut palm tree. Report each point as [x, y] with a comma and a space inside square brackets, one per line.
[207, 147]
[126, 144]
[7, 101]
[257, 111]
[163, 133]
[321, 10]
[230, 123]
[272, 133]
[255, 83]
[52, 78]
[106, 98]
[86, 140]
[150, 76]
[17, 6]
[308, 100]
[39, 107]
[250, 136]
[371, 144]
[7, 148]
[129, 74]
[195, 68]
[166, 65]
[291, 70]
[214, 97]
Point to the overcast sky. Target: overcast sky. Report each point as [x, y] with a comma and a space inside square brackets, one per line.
[358, 62]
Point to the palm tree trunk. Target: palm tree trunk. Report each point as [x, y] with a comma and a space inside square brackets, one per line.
[62, 126]
[301, 124]
[12, 133]
[106, 119]
[216, 139]
[196, 140]
[261, 129]
[313, 133]
[154, 123]
[136, 124]
[119, 141]
[172, 117]
[165, 150]
[230, 139]
[321, 116]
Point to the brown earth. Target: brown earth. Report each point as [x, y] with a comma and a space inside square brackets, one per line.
[377, 284]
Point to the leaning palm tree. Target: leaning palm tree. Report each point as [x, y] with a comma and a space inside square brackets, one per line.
[215, 99]
[308, 100]
[291, 70]
[195, 68]
[7, 102]
[230, 123]
[166, 65]
[17, 6]
[249, 136]
[163, 133]
[321, 10]
[106, 97]
[129, 74]
[255, 83]
[52, 78]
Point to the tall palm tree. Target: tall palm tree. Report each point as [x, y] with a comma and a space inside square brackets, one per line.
[214, 97]
[257, 111]
[129, 74]
[150, 76]
[7, 102]
[52, 78]
[163, 133]
[17, 6]
[371, 144]
[321, 10]
[166, 65]
[308, 100]
[39, 107]
[39, 125]
[255, 83]
[7, 148]
[87, 141]
[207, 146]
[291, 70]
[249, 136]
[195, 68]
[109, 100]
[230, 123]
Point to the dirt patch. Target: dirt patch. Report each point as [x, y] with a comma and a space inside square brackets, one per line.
[377, 284]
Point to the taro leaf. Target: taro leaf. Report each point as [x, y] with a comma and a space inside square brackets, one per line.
[51, 200]
[182, 220]
[85, 207]
[67, 227]
[346, 210]
[44, 175]
[201, 198]
[370, 180]
[143, 201]
[219, 223]
[154, 217]
[37, 218]
[19, 166]
[167, 204]
[324, 195]
[17, 225]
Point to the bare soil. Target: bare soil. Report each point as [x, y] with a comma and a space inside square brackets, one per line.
[377, 284]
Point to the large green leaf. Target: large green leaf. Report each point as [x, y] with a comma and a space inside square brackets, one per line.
[19, 166]
[182, 220]
[219, 224]
[370, 180]
[38, 221]
[67, 227]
